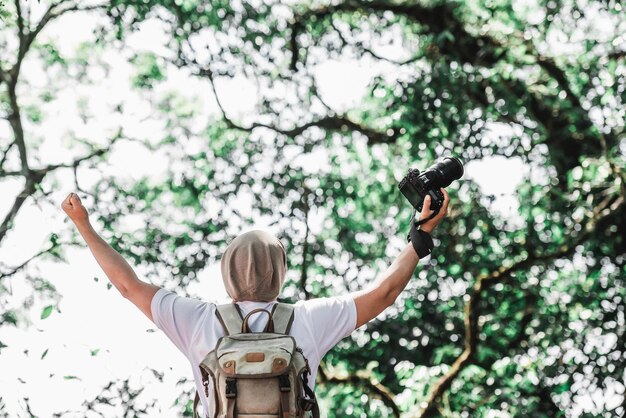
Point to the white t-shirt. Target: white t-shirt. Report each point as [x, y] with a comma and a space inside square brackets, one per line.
[192, 326]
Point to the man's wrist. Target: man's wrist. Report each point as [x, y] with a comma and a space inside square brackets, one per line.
[83, 225]
[427, 229]
[421, 240]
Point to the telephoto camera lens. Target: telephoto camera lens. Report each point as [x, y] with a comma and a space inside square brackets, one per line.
[448, 170]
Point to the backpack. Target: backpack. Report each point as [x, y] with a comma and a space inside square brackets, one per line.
[257, 374]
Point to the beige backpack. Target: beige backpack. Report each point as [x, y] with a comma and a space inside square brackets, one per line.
[257, 374]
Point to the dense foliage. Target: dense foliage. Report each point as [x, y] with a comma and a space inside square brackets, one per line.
[523, 314]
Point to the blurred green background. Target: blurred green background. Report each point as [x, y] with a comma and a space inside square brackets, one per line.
[518, 313]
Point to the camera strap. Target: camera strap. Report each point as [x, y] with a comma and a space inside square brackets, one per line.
[421, 221]
[421, 240]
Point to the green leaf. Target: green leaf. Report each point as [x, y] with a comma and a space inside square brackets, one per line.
[44, 354]
[149, 70]
[46, 311]
[9, 317]
[563, 387]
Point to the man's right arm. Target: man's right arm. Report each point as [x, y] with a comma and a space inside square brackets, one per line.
[119, 272]
[385, 290]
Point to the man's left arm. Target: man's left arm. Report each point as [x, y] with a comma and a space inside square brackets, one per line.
[384, 291]
[119, 272]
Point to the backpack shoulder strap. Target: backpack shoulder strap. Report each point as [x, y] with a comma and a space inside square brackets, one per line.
[230, 317]
[196, 400]
[283, 317]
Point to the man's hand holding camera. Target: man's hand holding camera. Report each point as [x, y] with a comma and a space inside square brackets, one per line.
[425, 191]
[421, 228]
[429, 225]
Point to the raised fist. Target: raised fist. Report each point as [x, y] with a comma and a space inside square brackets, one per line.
[74, 208]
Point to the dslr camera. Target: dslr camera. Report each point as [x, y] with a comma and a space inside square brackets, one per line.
[415, 186]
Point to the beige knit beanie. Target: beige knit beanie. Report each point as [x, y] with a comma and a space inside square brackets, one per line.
[254, 266]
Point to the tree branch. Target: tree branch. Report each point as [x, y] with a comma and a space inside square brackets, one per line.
[24, 41]
[559, 75]
[439, 18]
[365, 380]
[16, 124]
[14, 269]
[35, 176]
[616, 55]
[96, 152]
[29, 188]
[363, 48]
[51, 14]
[20, 19]
[4, 156]
[26, 37]
[381, 58]
[329, 122]
[305, 246]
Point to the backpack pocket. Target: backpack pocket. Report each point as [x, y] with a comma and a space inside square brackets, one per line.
[255, 355]
[256, 416]
[258, 397]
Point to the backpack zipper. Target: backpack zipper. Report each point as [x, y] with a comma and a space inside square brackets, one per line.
[299, 350]
[205, 380]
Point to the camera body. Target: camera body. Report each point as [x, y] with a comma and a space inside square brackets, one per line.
[416, 185]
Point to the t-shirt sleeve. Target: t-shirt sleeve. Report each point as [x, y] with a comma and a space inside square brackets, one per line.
[178, 317]
[331, 319]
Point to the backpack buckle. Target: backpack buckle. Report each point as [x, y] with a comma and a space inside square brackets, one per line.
[283, 381]
[231, 387]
